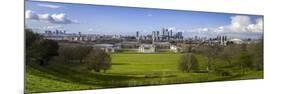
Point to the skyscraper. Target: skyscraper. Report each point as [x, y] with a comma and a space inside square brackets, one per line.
[137, 34]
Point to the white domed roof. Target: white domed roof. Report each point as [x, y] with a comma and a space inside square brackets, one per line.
[236, 40]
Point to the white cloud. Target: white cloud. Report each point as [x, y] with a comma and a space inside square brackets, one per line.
[49, 6]
[238, 24]
[53, 27]
[258, 27]
[172, 28]
[202, 30]
[30, 15]
[60, 18]
[205, 29]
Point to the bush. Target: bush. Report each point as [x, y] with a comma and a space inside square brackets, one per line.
[188, 63]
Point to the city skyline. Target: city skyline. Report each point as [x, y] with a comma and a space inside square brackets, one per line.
[93, 19]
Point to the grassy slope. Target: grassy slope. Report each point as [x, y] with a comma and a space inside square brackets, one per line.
[128, 69]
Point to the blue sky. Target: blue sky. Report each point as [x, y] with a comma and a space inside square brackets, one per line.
[93, 19]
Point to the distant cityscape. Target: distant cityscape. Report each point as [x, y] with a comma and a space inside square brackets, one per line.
[146, 43]
[164, 35]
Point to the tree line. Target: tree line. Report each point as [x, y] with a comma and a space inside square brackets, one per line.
[243, 57]
[41, 51]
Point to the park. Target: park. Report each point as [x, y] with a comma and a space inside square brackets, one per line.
[128, 69]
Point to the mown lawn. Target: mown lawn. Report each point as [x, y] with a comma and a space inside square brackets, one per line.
[128, 69]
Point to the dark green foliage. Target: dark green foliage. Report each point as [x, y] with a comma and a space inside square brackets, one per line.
[39, 50]
[188, 62]
[71, 53]
[30, 38]
[44, 50]
[98, 60]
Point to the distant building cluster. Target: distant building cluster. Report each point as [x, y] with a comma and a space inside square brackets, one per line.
[156, 36]
[62, 35]
[222, 40]
[165, 39]
[163, 35]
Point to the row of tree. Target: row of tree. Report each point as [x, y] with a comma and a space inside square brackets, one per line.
[91, 58]
[242, 56]
[38, 49]
[41, 51]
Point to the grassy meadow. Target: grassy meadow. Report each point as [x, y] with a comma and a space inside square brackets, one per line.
[128, 69]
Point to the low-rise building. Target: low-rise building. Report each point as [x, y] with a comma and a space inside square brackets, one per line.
[110, 48]
[147, 48]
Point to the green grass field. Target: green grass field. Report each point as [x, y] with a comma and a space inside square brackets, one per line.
[128, 69]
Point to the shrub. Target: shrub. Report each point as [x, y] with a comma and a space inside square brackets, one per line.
[188, 63]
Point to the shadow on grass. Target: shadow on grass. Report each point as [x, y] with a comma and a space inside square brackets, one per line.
[119, 63]
[229, 77]
[65, 74]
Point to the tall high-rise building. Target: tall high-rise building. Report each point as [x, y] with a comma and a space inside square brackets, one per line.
[153, 36]
[79, 33]
[137, 34]
[171, 33]
[157, 35]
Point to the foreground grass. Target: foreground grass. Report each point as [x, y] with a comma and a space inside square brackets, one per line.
[128, 69]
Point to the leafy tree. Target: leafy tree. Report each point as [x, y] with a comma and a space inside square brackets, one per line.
[74, 52]
[44, 50]
[211, 52]
[81, 52]
[256, 50]
[245, 61]
[30, 38]
[229, 53]
[188, 62]
[98, 60]
[66, 53]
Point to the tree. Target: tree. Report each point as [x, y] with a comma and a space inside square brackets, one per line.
[98, 60]
[44, 50]
[211, 52]
[30, 38]
[81, 52]
[245, 61]
[229, 52]
[74, 52]
[188, 62]
[256, 50]
[66, 53]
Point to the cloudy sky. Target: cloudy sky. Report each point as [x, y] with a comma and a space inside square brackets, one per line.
[92, 19]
